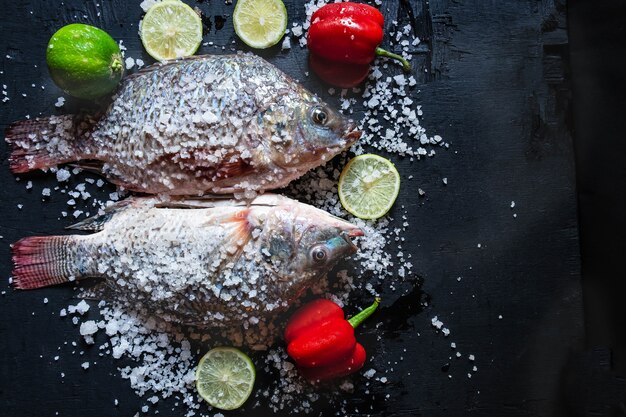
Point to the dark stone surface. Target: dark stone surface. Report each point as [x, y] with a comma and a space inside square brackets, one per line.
[494, 82]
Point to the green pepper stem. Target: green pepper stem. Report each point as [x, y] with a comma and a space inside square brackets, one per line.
[364, 314]
[406, 65]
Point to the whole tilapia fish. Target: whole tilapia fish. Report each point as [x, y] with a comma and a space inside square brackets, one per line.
[195, 261]
[208, 124]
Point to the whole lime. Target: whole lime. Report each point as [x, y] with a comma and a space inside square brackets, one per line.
[84, 61]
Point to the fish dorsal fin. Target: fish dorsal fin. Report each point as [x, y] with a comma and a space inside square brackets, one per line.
[92, 166]
[96, 223]
[164, 64]
[214, 201]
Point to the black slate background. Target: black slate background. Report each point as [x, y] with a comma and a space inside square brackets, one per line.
[494, 82]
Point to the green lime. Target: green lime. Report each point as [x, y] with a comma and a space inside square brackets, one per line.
[84, 61]
[368, 186]
[171, 29]
[225, 377]
[260, 23]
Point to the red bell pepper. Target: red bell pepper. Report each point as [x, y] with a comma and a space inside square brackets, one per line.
[347, 35]
[321, 341]
[340, 75]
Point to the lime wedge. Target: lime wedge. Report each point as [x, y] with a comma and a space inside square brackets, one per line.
[260, 23]
[368, 186]
[225, 377]
[171, 29]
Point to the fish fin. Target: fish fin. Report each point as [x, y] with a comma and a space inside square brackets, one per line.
[90, 165]
[42, 143]
[41, 261]
[163, 64]
[200, 163]
[96, 223]
[234, 168]
[221, 200]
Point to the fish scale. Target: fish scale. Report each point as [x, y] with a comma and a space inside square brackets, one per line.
[209, 124]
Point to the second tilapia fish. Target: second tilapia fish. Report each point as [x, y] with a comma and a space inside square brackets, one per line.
[208, 124]
[202, 262]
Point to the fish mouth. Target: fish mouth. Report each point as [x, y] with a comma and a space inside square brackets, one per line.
[355, 233]
[352, 134]
[350, 234]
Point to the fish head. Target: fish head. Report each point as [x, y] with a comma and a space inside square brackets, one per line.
[304, 244]
[316, 133]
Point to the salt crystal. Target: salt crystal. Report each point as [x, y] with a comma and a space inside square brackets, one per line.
[88, 328]
[85, 365]
[82, 307]
[286, 43]
[297, 30]
[63, 175]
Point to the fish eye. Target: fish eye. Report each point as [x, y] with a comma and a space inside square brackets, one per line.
[319, 116]
[319, 254]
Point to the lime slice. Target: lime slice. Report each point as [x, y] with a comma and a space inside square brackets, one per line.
[368, 186]
[260, 23]
[171, 30]
[225, 377]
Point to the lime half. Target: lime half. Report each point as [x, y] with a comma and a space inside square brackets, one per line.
[368, 186]
[171, 29]
[260, 23]
[225, 377]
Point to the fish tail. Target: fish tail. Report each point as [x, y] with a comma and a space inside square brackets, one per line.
[41, 261]
[42, 143]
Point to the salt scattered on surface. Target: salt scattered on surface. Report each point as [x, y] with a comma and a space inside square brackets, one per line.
[146, 4]
[88, 328]
[286, 43]
[161, 355]
[63, 175]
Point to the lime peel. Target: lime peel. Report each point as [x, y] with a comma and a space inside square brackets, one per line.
[368, 186]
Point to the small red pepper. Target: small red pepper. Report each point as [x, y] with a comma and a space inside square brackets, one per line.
[347, 35]
[321, 341]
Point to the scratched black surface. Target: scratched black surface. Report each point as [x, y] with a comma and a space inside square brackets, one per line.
[494, 82]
